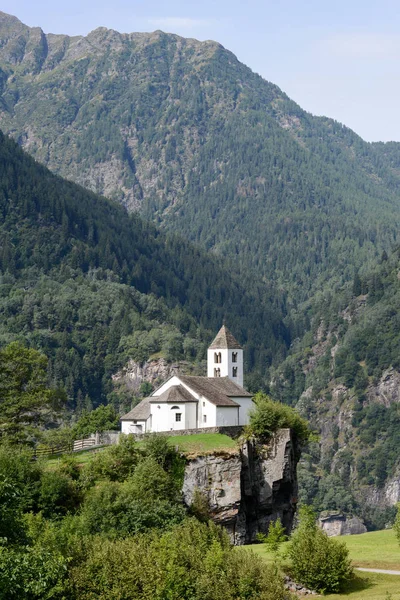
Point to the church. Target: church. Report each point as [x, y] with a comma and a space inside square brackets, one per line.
[191, 402]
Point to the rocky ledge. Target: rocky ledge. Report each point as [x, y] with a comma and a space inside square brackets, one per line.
[248, 489]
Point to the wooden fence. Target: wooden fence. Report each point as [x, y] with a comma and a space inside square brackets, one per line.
[84, 444]
[45, 451]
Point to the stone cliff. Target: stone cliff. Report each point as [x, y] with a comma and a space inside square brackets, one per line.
[248, 489]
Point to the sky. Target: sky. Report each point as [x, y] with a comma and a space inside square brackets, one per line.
[340, 58]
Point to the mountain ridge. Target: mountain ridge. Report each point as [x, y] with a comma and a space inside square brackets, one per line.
[182, 132]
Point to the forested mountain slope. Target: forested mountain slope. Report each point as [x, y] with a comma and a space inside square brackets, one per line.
[185, 133]
[92, 286]
[347, 375]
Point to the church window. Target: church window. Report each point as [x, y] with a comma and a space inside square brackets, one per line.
[217, 357]
[204, 418]
[178, 416]
[234, 356]
[204, 403]
[234, 372]
[217, 372]
[174, 407]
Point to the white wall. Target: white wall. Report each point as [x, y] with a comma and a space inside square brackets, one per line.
[131, 427]
[226, 365]
[191, 413]
[165, 386]
[209, 410]
[246, 405]
[227, 415]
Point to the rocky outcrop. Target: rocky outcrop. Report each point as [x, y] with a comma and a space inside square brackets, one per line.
[387, 390]
[152, 371]
[248, 489]
[338, 524]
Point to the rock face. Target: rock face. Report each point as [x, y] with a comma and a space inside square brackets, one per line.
[249, 489]
[153, 371]
[387, 390]
[338, 524]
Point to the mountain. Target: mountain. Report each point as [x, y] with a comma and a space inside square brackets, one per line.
[182, 132]
[93, 287]
[346, 374]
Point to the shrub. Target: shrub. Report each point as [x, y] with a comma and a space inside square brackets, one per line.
[192, 561]
[102, 418]
[268, 416]
[396, 524]
[31, 573]
[58, 495]
[115, 463]
[318, 561]
[276, 536]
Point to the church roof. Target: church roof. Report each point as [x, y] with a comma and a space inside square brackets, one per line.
[229, 387]
[216, 389]
[224, 339]
[141, 412]
[176, 393]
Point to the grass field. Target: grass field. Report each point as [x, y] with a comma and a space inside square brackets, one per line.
[375, 550]
[203, 442]
[190, 444]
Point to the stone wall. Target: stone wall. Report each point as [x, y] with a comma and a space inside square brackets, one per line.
[249, 489]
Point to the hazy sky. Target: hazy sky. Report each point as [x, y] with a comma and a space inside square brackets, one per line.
[339, 58]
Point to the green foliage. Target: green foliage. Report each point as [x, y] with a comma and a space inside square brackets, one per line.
[19, 488]
[318, 562]
[269, 416]
[33, 573]
[115, 463]
[396, 525]
[201, 143]
[275, 537]
[200, 507]
[58, 493]
[91, 286]
[25, 397]
[193, 561]
[102, 418]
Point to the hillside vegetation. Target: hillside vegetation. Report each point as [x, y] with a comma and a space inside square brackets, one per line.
[183, 132]
[92, 286]
[346, 373]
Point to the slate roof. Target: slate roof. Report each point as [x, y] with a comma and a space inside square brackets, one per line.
[141, 412]
[224, 339]
[176, 393]
[216, 389]
[229, 387]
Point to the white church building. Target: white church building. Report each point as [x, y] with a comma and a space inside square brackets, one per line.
[190, 402]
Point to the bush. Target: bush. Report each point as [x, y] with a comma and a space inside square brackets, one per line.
[268, 416]
[58, 495]
[31, 573]
[102, 418]
[318, 562]
[396, 525]
[147, 500]
[115, 463]
[193, 561]
[276, 536]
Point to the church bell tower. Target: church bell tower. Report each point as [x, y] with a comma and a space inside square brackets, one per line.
[225, 357]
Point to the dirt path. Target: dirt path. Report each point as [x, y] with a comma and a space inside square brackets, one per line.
[383, 571]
